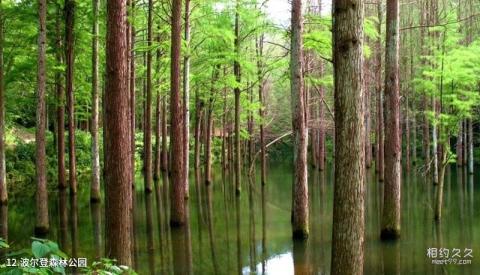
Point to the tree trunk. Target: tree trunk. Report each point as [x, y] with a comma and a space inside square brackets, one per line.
[3, 172]
[118, 165]
[69, 43]
[349, 193]
[158, 144]
[95, 188]
[238, 78]
[164, 135]
[177, 217]
[391, 204]
[60, 93]
[470, 146]
[148, 105]
[366, 100]
[378, 77]
[460, 145]
[208, 144]
[321, 124]
[131, 87]
[300, 130]
[198, 126]
[186, 100]
[42, 224]
[261, 111]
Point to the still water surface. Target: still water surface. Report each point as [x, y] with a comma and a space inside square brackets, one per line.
[252, 234]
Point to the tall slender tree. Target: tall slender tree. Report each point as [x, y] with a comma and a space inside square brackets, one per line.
[391, 201]
[148, 105]
[95, 188]
[379, 91]
[238, 78]
[177, 217]
[118, 172]
[299, 121]
[42, 224]
[3, 172]
[60, 93]
[349, 194]
[186, 99]
[70, 59]
[131, 86]
[261, 111]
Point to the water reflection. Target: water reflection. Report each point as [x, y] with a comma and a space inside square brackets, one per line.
[95, 209]
[252, 233]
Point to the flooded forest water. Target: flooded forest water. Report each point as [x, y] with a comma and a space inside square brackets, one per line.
[252, 234]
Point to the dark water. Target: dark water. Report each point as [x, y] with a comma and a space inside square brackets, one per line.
[252, 234]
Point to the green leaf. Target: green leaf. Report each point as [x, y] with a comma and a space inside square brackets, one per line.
[39, 249]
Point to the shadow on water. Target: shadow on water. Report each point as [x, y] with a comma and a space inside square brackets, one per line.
[226, 234]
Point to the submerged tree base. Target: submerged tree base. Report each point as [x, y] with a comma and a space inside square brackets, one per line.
[389, 234]
[41, 231]
[300, 234]
[176, 224]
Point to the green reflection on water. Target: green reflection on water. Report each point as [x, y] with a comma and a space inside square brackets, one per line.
[252, 234]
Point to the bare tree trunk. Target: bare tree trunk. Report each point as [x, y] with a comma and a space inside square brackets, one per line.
[470, 146]
[118, 165]
[321, 124]
[366, 100]
[208, 143]
[460, 145]
[148, 105]
[3, 172]
[131, 87]
[158, 143]
[42, 224]
[95, 188]
[349, 193]
[69, 43]
[164, 135]
[60, 93]
[392, 193]
[261, 100]
[378, 77]
[186, 100]
[177, 217]
[237, 73]
[300, 130]
[198, 126]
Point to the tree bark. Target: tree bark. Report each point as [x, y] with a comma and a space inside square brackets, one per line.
[349, 192]
[164, 135]
[69, 54]
[238, 78]
[118, 165]
[186, 99]
[261, 111]
[148, 105]
[177, 216]
[198, 126]
[60, 93]
[131, 87]
[95, 188]
[300, 130]
[208, 143]
[42, 224]
[3, 172]
[470, 146]
[321, 124]
[378, 77]
[392, 190]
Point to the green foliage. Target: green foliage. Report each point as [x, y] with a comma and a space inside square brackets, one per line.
[46, 249]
